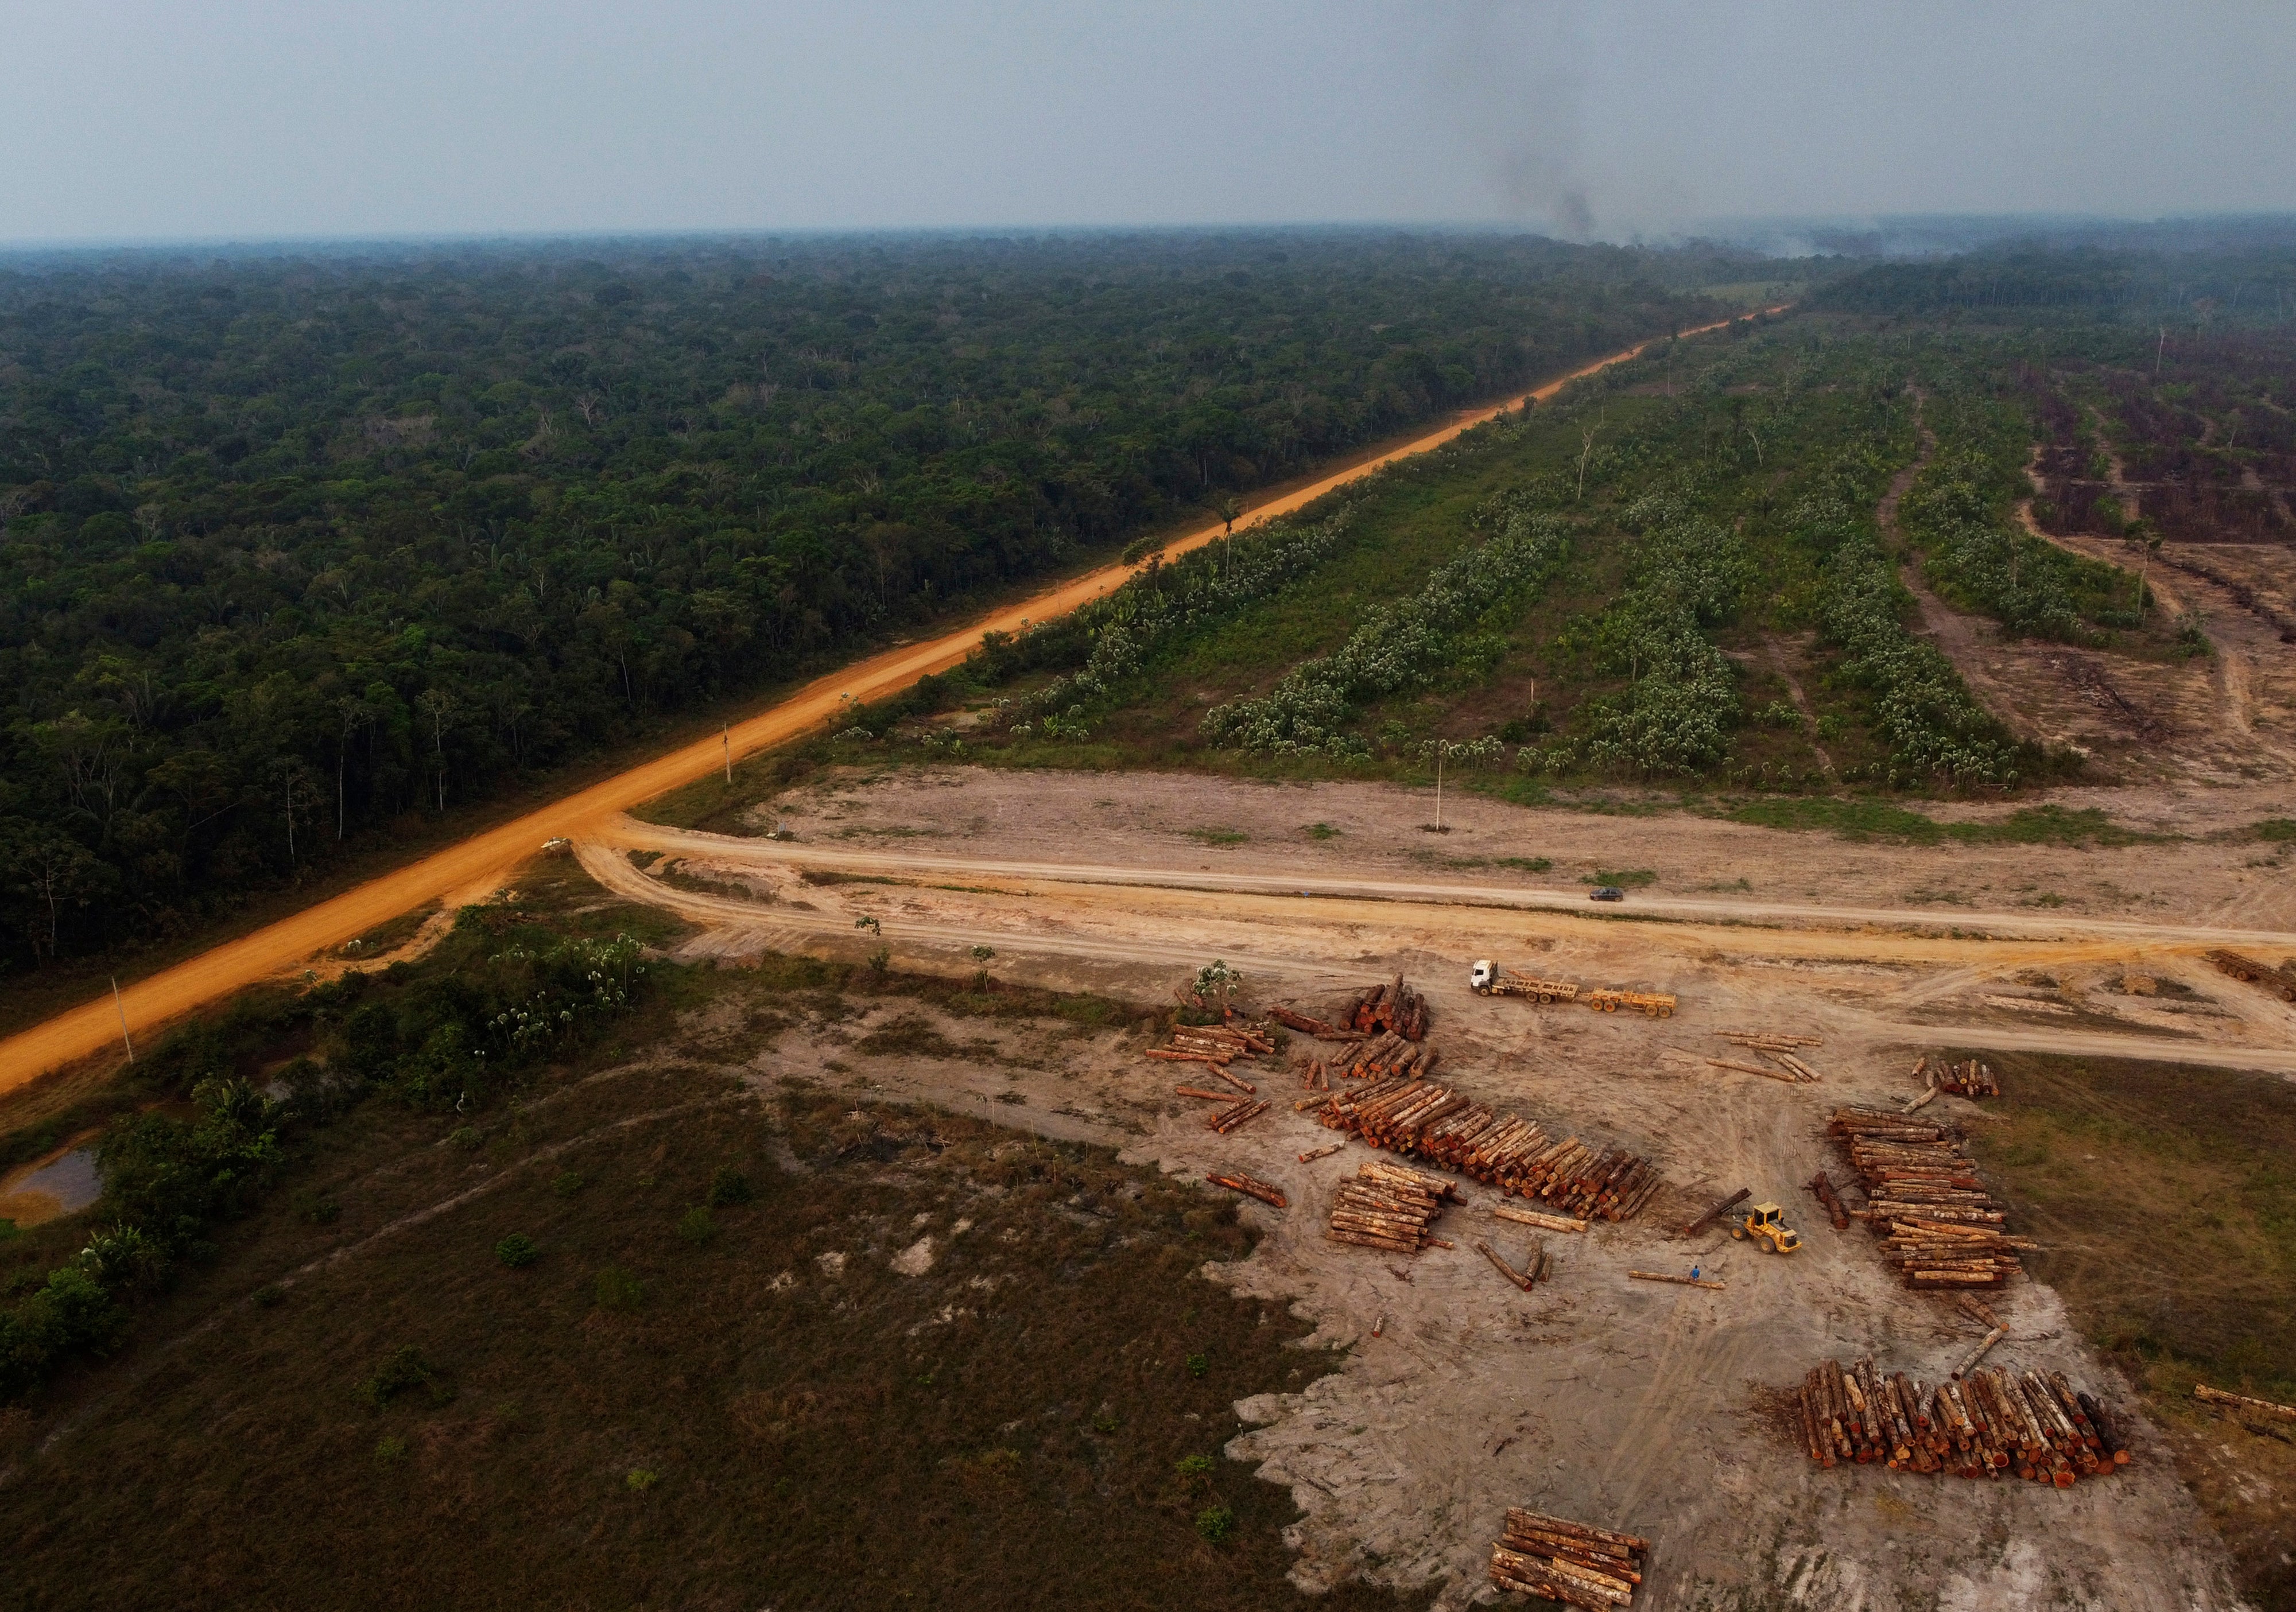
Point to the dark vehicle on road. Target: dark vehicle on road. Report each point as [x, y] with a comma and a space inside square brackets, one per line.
[1609, 892]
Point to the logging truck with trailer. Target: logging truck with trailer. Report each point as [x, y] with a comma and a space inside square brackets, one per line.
[2280, 981]
[1658, 1004]
[1763, 1223]
[1491, 981]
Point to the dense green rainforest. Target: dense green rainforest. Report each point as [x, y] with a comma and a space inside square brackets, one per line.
[295, 543]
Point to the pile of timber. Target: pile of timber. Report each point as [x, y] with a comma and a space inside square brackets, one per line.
[2033, 1423]
[1214, 1043]
[1374, 1057]
[1307, 1024]
[1567, 1561]
[1405, 1115]
[2280, 981]
[1970, 1078]
[1394, 1006]
[1385, 1206]
[1836, 1210]
[1938, 1225]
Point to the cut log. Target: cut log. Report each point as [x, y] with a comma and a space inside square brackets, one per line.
[1723, 1208]
[2242, 1402]
[1750, 1068]
[1222, 1097]
[1323, 1152]
[1503, 1268]
[1976, 1354]
[1532, 1217]
[1252, 1188]
[1687, 1281]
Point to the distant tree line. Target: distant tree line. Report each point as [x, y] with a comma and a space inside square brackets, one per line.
[2187, 293]
[291, 545]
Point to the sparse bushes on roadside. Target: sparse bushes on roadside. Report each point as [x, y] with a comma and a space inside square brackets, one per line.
[518, 1250]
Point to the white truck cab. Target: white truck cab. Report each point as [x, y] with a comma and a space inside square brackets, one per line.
[1481, 975]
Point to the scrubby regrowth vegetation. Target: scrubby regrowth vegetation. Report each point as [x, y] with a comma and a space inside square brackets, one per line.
[2189, 1279]
[649, 1329]
[294, 547]
[202, 1127]
[1697, 568]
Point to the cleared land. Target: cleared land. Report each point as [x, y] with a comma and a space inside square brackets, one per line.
[1644, 1406]
[2061, 934]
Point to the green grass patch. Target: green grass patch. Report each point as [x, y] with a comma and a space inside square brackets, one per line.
[1523, 865]
[2164, 1200]
[1630, 879]
[656, 1394]
[1221, 837]
[1881, 820]
[2275, 828]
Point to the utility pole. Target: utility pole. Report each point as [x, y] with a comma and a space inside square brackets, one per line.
[729, 752]
[1439, 785]
[123, 1018]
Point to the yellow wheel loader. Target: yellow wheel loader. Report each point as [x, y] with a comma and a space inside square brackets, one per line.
[1762, 1224]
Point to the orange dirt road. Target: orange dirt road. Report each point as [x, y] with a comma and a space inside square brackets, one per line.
[468, 869]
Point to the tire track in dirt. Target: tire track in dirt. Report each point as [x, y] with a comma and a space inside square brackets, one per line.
[1955, 635]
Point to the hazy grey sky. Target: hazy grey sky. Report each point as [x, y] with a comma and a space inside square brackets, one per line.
[243, 119]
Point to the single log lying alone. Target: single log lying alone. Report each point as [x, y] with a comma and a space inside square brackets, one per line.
[1252, 1188]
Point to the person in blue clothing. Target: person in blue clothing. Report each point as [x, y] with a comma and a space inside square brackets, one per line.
[1694, 1272]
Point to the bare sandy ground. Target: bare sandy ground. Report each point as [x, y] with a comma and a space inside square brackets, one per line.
[1622, 1402]
[1186, 823]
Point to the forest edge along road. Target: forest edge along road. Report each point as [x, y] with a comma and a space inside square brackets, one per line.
[278, 947]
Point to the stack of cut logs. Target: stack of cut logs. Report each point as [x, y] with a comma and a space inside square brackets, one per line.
[1836, 1210]
[1406, 1115]
[1967, 1079]
[1394, 1007]
[1567, 1561]
[1214, 1043]
[2033, 1423]
[1387, 1053]
[1388, 1207]
[1938, 1225]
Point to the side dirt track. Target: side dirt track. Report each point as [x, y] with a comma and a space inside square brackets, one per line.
[467, 870]
[1629, 1404]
